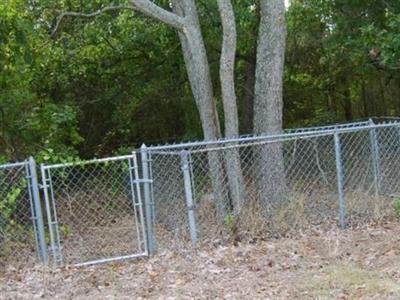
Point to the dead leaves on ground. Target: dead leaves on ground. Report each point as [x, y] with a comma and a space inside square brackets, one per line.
[354, 264]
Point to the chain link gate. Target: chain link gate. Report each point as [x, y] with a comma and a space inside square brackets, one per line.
[94, 210]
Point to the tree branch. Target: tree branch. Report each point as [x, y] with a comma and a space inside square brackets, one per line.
[144, 6]
[153, 10]
[88, 15]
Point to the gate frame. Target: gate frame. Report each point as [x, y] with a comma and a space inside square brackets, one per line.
[36, 206]
[51, 210]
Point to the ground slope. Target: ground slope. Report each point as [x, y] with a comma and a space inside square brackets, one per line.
[352, 264]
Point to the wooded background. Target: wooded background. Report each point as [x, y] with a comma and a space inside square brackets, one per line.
[102, 85]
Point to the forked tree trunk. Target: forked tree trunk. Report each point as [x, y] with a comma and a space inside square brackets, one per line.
[268, 85]
[268, 101]
[195, 57]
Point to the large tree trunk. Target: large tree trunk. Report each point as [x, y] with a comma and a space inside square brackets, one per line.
[198, 69]
[195, 57]
[268, 103]
[226, 73]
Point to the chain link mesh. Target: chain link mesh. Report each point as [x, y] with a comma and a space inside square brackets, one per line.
[289, 184]
[388, 160]
[242, 189]
[17, 236]
[96, 211]
[170, 213]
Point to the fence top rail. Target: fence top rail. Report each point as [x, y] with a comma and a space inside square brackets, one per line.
[330, 130]
[174, 149]
[86, 162]
[13, 165]
[358, 123]
[250, 137]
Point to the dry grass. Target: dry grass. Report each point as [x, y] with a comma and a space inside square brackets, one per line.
[114, 232]
[19, 249]
[301, 213]
[362, 208]
[350, 281]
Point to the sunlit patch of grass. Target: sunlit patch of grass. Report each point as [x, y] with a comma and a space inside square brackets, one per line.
[350, 282]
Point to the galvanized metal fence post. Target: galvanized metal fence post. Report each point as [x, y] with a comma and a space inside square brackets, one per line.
[54, 234]
[147, 200]
[185, 165]
[38, 216]
[137, 201]
[340, 181]
[375, 157]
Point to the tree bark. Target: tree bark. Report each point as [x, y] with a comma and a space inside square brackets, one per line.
[195, 57]
[226, 74]
[268, 103]
[227, 67]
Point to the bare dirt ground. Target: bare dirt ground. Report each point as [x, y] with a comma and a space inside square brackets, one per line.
[352, 264]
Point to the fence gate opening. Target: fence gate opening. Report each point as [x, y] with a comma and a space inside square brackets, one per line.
[94, 211]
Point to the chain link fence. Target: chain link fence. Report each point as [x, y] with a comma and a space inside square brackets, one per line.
[300, 181]
[22, 238]
[245, 189]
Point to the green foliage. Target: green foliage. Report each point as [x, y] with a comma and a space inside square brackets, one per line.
[8, 203]
[396, 206]
[118, 80]
[8, 208]
[229, 221]
[65, 231]
[341, 60]
[31, 122]
[385, 40]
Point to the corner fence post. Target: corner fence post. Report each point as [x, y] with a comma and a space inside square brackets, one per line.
[340, 184]
[185, 166]
[38, 216]
[375, 157]
[147, 200]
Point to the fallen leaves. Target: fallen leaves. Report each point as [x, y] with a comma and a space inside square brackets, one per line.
[265, 270]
